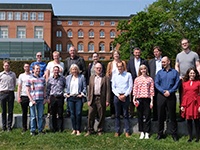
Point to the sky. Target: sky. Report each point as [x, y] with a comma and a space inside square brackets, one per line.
[92, 7]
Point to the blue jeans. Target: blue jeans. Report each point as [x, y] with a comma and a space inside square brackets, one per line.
[75, 105]
[39, 107]
[125, 105]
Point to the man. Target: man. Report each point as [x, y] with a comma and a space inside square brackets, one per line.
[185, 60]
[23, 99]
[42, 64]
[35, 89]
[7, 87]
[98, 99]
[133, 68]
[73, 59]
[122, 85]
[167, 83]
[55, 86]
[91, 66]
[155, 65]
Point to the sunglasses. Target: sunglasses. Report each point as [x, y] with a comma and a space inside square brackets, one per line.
[39, 55]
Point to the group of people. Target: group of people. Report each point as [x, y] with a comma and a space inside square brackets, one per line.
[120, 86]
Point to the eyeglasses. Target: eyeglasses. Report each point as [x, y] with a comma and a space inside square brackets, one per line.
[39, 55]
[184, 43]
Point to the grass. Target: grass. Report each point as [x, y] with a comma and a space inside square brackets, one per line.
[15, 140]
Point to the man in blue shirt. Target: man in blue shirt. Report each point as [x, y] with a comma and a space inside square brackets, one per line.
[167, 83]
[42, 64]
[122, 85]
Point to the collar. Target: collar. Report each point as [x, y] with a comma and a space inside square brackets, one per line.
[7, 73]
[100, 75]
[57, 77]
[170, 69]
[138, 59]
[157, 59]
[122, 73]
[35, 76]
[76, 57]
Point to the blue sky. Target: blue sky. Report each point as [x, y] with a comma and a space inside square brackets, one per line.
[92, 7]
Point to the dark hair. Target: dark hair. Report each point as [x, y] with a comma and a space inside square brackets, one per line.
[118, 52]
[95, 53]
[185, 39]
[120, 62]
[56, 67]
[158, 48]
[26, 63]
[36, 65]
[137, 48]
[186, 77]
[6, 61]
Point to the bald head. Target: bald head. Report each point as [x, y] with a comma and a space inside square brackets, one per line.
[166, 62]
[39, 56]
[98, 69]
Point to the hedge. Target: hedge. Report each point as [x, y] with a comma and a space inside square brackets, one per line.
[17, 66]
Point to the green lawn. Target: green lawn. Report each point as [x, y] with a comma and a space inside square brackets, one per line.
[15, 140]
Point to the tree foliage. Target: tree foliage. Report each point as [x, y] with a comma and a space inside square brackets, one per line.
[164, 23]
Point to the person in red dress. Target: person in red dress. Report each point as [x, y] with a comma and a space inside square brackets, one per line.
[190, 105]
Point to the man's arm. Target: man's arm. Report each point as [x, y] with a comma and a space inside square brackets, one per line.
[176, 85]
[130, 84]
[197, 66]
[157, 83]
[18, 92]
[29, 95]
[177, 66]
[83, 67]
[114, 86]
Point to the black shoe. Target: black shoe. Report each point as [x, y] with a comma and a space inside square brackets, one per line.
[159, 137]
[42, 133]
[180, 119]
[197, 140]
[190, 140]
[175, 138]
[33, 133]
[130, 117]
[67, 115]
[9, 130]
[24, 130]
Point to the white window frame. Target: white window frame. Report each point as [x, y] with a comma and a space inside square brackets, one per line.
[2, 16]
[91, 47]
[17, 15]
[102, 23]
[41, 16]
[3, 31]
[112, 23]
[91, 33]
[38, 32]
[69, 22]
[80, 22]
[9, 15]
[32, 15]
[25, 16]
[80, 33]
[21, 32]
[91, 23]
[112, 34]
[102, 34]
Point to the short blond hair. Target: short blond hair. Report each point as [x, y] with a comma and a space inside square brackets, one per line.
[56, 53]
[74, 66]
[142, 67]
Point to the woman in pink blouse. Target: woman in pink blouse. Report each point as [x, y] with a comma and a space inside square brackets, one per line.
[143, 92]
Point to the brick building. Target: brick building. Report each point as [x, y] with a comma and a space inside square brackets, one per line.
[37, 21]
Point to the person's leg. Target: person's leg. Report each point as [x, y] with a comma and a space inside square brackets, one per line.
[125, 113]
[196, 121]
[71, 103]
[140, 115]
[131, 107]
[54, 112]
[24, 106]
[10, 109]
[155, 112]
[60, 113]
[180, 119]
[91, 116]
[147, 114]
[117, 104]
[3, 98]
[112, 106]
[189, 126]
[40, 109]
[33, 117]
[78, 111]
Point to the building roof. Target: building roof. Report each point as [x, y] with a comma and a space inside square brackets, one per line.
[21, 40]
[22, 6]
[92, 17]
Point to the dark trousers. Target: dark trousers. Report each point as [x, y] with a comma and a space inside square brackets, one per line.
[118, 103]
[7, 97]
[144, 109]
[155, 112]
[24, 106]
[189, 125]
[96, 106]
[180, 93]
[131, 106]
[112, 106]
[75, 105]
[57, 108]
[170, 103]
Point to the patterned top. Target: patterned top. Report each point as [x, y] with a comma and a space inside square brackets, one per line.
[37, 85]
[55, 86]
[143, 87]
[42, 65]
[7, 81]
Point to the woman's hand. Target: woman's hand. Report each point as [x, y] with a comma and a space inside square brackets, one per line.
[199, 110]
[80, 95]
[134, 102]
[182, 109]
[67, 95]
[151, 104]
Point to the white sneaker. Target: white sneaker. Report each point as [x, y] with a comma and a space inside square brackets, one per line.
[142, 135]
[146, 136]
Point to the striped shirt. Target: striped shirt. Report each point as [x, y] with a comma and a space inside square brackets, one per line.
[37, 85]
[143, 87]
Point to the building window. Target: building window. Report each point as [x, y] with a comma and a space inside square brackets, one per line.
[69, 33]
[80, 47]
[9, 15]
[21, 32]
[80, 33]
[90, 58]
[58, 22]
[101, 23]
[38, 33]
[58, 33]
[32, 16]
[91, 33]
[68, 46]
[91, 47]
[3, 32]
[69, 22]
[17, 16]
[40, 16]
[112, 47]
[101, 33]
[112, 23]
[2, 16]
[59, 47]
[91, 23]
[102, 58]
[80, 22]
[101, 47]
[25, 16]
[112, 34]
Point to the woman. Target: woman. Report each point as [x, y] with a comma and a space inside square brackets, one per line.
[75, 92]
[111, 70]
[143, 92]
[190, 105]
